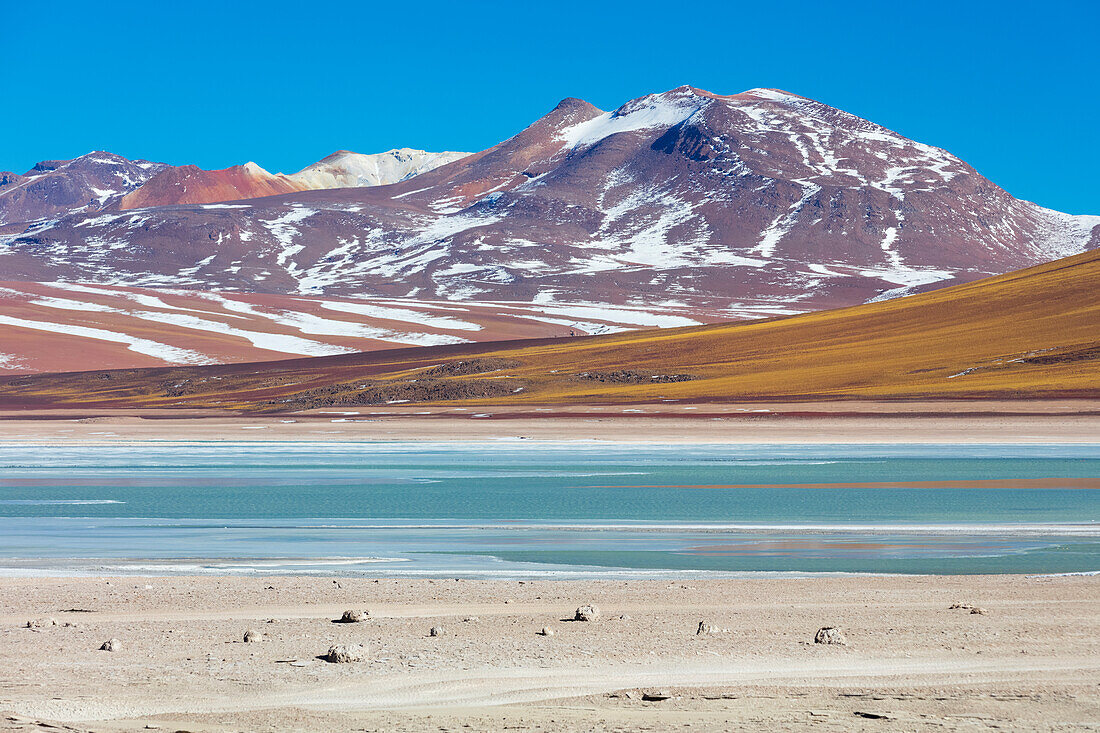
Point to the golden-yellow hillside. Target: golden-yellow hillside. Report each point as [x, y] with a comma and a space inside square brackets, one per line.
[1032, 333]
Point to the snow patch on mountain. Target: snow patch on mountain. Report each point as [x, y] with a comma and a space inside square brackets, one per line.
[309, 323]
[282, 343]
[143, 299]
[1064, 234]
[399, 314]
[783, 223]
[285, 229]
[147, 347]
[909, 277]
[650, 112]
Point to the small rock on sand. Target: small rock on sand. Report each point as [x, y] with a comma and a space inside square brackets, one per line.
[252, 635]
[114, 645]
[343, 653]
[957, 605]
[436, 631]
[978, 610]
[546, 631]
[40, 623]
[353, 616]
[705, 628]
[830, 635]
[656, 696]
[587, 613]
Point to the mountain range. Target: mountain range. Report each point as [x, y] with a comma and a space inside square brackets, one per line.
[101, 180]
[711, 207]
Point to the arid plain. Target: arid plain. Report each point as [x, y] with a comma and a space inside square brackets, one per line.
[1028, 660]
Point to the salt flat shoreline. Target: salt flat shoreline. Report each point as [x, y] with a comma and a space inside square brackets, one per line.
[1029, 661]
[971, 422]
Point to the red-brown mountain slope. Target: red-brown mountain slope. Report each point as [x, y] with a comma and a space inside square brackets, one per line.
[190, 184]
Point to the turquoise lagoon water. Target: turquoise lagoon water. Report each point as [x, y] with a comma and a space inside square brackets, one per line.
[516, 509]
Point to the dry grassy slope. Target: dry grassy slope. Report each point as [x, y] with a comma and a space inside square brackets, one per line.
[1031, 333]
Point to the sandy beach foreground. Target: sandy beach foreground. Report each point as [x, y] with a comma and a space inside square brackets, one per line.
[924, 421]
[1030, 661]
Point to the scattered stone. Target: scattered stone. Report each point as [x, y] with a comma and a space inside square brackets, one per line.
[546, 631]
[830, 635]
[40, 623]
[436, 631]
[252, 635]
[870, 716]
[114, 645]
[470, 619]
[978, 610]
[625, 617]
[353, 616]
[343, 653]
[655, 696]
[705, 628]
[587, 613]
[957, 605]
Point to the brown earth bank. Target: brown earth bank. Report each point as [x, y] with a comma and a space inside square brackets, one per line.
[979, 421]
[1028, 661]
[1027, 335]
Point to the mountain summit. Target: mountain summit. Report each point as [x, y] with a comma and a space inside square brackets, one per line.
[64, 187]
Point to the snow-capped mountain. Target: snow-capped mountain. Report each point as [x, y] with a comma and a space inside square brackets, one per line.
[756, 203]
[62, 187]
[345, 169]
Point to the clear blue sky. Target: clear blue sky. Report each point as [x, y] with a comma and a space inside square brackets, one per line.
[1011, 87]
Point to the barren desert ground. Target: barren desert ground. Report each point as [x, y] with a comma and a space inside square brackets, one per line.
[1029, 661]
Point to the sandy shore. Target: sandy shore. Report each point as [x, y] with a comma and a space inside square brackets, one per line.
[1031, 662]
[972, 421]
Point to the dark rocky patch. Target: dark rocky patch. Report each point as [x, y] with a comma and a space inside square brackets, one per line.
[470, 366]
[380, 393]
[1063, 357]
[629, 376]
